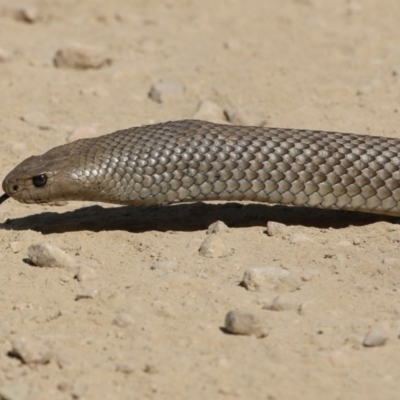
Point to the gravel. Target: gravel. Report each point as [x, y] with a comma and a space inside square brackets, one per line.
[245, 323]
[78, 56]
[261, 278]
[31, 350]
[48, 255]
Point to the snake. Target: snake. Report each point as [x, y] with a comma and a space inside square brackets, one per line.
[192, 160]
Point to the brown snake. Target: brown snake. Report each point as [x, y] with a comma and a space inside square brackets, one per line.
[193, 160]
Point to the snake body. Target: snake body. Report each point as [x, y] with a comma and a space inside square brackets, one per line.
[191, 160]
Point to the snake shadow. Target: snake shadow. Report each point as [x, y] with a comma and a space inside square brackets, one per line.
[187, 217]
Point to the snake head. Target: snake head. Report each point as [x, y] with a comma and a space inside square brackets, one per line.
[38, 178]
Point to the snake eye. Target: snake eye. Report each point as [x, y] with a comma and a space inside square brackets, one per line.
[39, 181]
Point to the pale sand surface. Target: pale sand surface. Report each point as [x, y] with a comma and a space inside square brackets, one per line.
[312, 64]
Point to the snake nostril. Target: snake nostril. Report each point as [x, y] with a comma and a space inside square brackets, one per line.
[15, 188]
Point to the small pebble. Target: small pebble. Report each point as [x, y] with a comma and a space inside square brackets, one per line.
[37, 119]
[81, 57]
[298, 238]
[84, 131]
[391, 261]
[48, 255]
[376, 336]
[25, 13]
[276, 229]
[166, 90]
[256, 279]
[309, 274]
[214, 246]
[232, 45]
[165, 265]
[245, 323]
[65, 386]
[125, 368]
[86, 273]
[207, 110]
[66, 359]
[31, 350]
[217, 227]
[234, 117]
[15, 246]
[309, 306]
[16, 390]
[28, 13]
[150, 369]
[123, 319]
[86, 293]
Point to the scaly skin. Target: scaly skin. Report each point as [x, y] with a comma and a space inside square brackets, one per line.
[195, 160]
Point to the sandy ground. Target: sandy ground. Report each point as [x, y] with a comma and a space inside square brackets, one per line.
[146, 319]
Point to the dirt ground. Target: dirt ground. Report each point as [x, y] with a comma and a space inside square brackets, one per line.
[146, 317]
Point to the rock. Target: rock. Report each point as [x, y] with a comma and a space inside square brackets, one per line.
[208, 110]
[37, 119]
[214, 246]
[27, 13]
[86, 293]
[31, 350]
[65, 386]
[15, 247]
[276, 229]
[123, 319]
[165, 265]
[217, 227]
[48, 255]
[86, 273]
[166, 90]
[83, 131]
[309, 274]
[245, 323]
[233, 45]
[376, 336]
[150, 369]
[16, 390]
[309, 306]
[255, 279]
[125, 368]
[391, 261]
[81, 57]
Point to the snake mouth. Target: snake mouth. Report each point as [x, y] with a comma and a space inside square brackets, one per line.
[4, 198]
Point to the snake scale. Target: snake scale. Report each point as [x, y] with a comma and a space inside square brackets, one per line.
[192, 160]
